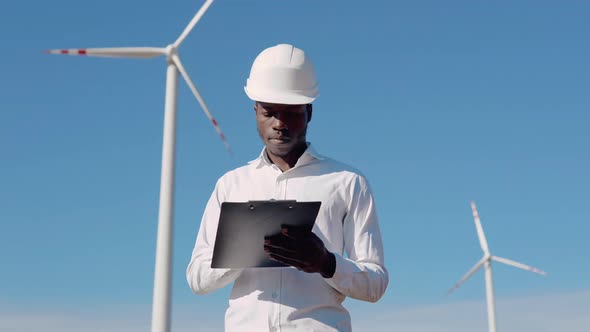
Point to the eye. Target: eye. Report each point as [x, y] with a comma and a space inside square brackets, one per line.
[294, 114]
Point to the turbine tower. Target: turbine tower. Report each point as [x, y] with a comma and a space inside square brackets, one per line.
[486, 262]
[163, 266]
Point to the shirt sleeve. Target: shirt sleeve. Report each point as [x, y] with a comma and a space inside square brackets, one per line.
[362, 274]
[201, 278]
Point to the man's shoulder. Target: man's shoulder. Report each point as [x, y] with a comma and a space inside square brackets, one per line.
[333, 165]
[241, 171]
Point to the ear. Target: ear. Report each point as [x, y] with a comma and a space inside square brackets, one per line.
[255, 107]
[309, 112]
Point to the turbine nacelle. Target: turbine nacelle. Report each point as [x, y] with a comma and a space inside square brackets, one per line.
[170, 51]
[488, 258]
[172, 57]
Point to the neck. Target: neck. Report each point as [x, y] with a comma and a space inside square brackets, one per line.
[285, 163]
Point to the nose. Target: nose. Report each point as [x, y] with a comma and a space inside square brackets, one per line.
[279, 122]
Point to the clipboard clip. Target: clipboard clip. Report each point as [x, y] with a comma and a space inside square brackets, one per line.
[253, 203]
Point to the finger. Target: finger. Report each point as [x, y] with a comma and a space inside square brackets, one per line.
[295, 232]
[301, 266]
[278, 247]
[281, 241]
[273, 237]
[285, 254]
[288, 261]
[282, 261]
[282, 252]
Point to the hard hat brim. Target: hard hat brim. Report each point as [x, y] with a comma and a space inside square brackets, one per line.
[281, 97]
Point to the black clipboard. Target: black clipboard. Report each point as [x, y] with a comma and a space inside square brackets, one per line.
[239, 242]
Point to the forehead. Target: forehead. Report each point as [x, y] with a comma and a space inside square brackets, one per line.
[281, 107]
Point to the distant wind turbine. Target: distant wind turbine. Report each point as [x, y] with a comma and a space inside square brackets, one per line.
[163, 268]
[486, 261]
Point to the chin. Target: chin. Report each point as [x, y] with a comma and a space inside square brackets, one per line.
[279, 152]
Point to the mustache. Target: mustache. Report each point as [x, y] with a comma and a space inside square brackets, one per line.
[280, 135]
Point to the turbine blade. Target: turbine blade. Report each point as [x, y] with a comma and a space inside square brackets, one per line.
[480, 234]
[114, 52]
[192, 23]
[468, 274]
[191, 85]
[519, 265]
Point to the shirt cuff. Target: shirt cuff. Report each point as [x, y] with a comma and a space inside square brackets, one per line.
[342, 278]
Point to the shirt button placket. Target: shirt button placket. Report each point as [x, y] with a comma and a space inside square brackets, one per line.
[275, 295]
[279, 188]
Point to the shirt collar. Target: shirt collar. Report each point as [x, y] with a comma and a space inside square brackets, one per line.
[309, 155]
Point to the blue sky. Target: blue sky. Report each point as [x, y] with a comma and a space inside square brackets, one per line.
[438, 103]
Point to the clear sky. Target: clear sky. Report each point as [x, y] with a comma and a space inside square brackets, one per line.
[437, 102]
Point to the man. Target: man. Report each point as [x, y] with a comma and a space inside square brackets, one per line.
[343, 255]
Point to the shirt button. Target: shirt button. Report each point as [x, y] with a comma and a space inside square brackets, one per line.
[275, 295]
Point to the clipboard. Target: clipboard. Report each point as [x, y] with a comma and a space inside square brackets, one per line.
[239, 242]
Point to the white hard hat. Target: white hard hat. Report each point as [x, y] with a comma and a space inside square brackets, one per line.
[282, 74]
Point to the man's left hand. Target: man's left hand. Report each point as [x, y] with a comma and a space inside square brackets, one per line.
[301, 249]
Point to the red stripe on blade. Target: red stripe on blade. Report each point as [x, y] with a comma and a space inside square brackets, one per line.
[64, 52]
[82, 52]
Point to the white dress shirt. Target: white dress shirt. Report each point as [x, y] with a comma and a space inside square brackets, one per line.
[286, 299]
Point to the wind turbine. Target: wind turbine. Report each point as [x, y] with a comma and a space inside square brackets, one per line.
[163, 267]
[486, 262]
